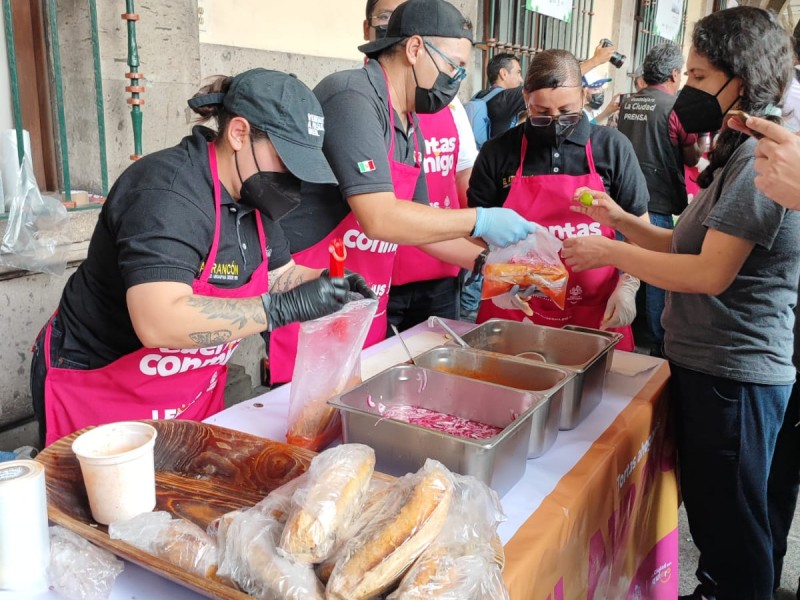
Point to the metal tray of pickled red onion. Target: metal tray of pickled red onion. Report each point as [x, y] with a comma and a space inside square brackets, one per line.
[376, 413]
[546, 383]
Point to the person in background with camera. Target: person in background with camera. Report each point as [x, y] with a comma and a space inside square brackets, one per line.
[535, 169]
[731, 267]
[663, 148]
[594, 97]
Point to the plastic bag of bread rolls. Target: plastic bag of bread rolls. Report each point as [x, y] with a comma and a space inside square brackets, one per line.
[177, 541]
[412, 516]
[462, 562]
[327, 502]
[249, 558]
[376, 495]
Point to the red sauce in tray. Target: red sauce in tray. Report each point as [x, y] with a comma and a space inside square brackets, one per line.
[443, 422]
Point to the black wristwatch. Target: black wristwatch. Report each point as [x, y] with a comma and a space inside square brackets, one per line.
[477, 268]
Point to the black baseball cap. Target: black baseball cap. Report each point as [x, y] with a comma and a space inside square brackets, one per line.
[435, 18]
[285, 108]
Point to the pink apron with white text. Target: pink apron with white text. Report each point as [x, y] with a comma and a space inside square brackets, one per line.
[152, 383]
[373, 259]
[441, 157]
[545, 199]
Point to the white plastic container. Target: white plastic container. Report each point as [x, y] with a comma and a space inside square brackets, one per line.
[118, 469]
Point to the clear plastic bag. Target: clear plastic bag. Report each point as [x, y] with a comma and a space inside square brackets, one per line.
[78, 569]
[371, 508]
[534, 261]
[325, 505]
[328, 363]
[249, 558]
[464, 562]
[411, 517]
[177, 541]
[37, 234]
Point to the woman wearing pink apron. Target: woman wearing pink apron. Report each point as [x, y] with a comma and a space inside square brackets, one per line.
[535, 169]
[177, 272]
[546, 200]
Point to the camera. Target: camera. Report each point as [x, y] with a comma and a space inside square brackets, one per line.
[617, 59]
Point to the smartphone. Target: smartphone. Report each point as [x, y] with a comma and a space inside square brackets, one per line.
[742, 117]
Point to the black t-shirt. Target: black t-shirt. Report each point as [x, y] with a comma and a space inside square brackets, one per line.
[357, 140]
[614, 160]
[158, 225]
[503, 109]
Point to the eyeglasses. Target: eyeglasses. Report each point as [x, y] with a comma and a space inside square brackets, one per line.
[460, 72]
[545, 120]
[381, 19]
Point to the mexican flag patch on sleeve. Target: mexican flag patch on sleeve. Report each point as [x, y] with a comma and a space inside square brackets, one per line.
[365, 166]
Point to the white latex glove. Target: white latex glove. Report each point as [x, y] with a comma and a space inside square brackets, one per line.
[621, 305]
[515, 299]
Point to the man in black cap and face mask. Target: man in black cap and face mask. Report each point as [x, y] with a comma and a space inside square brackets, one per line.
[535, 169]
[375, 149]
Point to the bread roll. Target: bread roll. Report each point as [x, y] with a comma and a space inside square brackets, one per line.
[371, 508]
[377, 557]
[180, 542]
[326, 505]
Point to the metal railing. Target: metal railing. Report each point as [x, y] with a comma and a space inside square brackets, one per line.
[54, 64]
[510, 27]
[646, 39]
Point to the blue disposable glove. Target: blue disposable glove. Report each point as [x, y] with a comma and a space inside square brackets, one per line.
[501, 227]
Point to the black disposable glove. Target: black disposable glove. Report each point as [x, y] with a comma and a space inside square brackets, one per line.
[310, 300]
[356, 283]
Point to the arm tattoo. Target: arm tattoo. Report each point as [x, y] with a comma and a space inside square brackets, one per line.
[203, 339]
[288, 280]
[236, 312]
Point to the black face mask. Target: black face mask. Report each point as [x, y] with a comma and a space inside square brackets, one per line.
[551, 135]
[699, 111]
[274, 194]
[428, 101]
[596, 100]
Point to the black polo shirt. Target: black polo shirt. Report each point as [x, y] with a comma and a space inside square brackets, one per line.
[357, 140]
[158, 225]
[614, 160]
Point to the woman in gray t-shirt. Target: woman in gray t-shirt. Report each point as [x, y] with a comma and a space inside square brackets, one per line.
[731, 270]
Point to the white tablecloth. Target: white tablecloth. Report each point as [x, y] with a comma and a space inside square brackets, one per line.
[266, 416]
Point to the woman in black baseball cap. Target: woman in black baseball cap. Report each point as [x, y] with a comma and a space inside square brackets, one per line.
[185, 261]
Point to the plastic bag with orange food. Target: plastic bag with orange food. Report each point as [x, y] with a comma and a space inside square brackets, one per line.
[533, 261]
[328, 363]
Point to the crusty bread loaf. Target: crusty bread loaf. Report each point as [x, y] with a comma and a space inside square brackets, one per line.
[271, 575]
[379, 492]
[337, 482]
[187, 547]
[381, 554]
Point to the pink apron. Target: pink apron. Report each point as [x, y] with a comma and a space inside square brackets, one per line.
[441, 157]
[152, 383]
[545, 199]
[373, 259]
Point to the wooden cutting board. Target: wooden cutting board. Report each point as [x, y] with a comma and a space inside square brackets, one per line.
[202, 472]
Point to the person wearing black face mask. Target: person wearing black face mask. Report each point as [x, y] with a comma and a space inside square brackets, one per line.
[534, 168]
[375, 148]
[730, 268]
[423, 286]
[187, 258]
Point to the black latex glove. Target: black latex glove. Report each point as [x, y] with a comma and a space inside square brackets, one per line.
[356, 283]
[310, 300]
